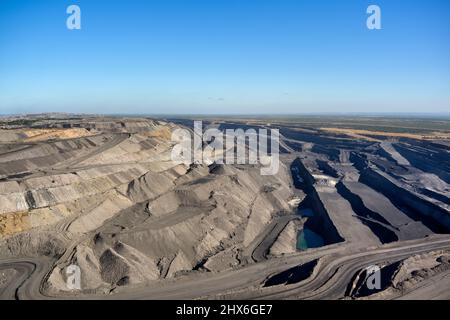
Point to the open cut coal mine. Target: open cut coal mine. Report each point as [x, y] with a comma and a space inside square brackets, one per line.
[103, 194]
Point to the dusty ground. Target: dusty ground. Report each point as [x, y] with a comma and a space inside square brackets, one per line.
[103, 194]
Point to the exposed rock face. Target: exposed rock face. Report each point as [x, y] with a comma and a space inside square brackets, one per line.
[123, 264]
[125, 213]
[286, 241]
[193, 221]
[431, 212]
[104, 194]
[408, 274]
[179, 263]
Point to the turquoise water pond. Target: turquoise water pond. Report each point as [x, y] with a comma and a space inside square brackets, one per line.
[309, 239]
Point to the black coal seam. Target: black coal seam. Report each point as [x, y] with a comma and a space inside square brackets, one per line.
[393, 193]
[31, 202]
[426, 163]
[435, 195]
[16, 176]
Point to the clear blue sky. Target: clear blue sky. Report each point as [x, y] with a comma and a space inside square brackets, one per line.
[224, 56]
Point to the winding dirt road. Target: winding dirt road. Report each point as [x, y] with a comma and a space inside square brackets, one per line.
[328, 281]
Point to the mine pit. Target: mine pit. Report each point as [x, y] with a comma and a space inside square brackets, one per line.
[107, 196]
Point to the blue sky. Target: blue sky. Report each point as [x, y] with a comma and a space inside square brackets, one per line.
[224, 56]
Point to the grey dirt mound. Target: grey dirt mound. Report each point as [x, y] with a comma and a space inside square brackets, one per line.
[103, 194]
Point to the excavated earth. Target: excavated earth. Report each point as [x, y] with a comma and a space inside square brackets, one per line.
[102, 193]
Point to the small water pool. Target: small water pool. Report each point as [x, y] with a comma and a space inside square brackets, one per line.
[309, 239]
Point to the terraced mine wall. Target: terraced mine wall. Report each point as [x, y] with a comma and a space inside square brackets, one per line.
[320, 222]
[435, 195]
[433, 216]
[108, 125]
[420, 158]
[440, 146]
